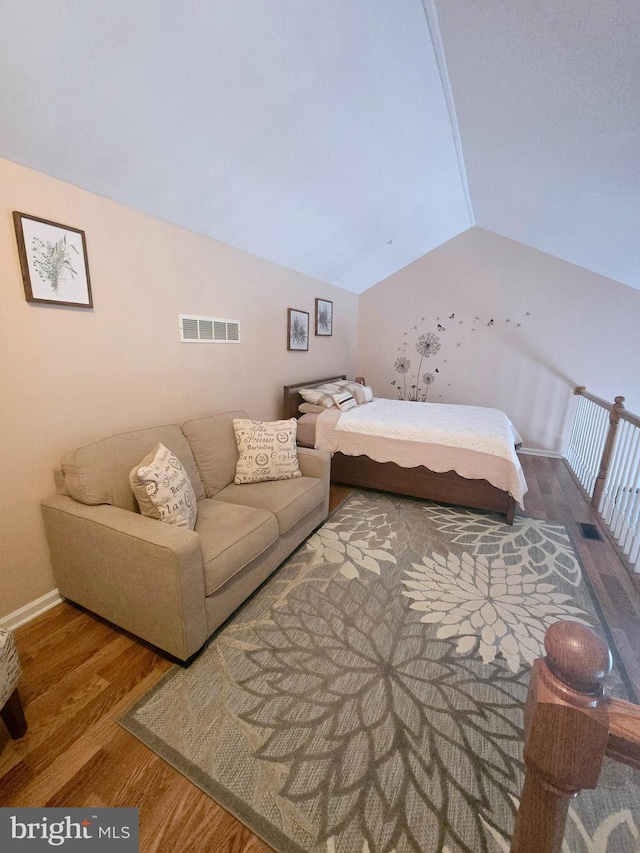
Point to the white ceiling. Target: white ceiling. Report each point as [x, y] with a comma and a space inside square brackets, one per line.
[324, 137]
[547, 96]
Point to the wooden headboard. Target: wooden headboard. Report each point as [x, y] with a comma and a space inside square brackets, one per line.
[292, 398]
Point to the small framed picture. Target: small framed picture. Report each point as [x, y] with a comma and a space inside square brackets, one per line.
[324, 317]
[298, 329]
[53, 259]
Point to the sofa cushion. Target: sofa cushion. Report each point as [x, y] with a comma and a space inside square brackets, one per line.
[98, 473]
[163, 489]
[231, 536]
[288, 500]
[213, 443]
[266, 450]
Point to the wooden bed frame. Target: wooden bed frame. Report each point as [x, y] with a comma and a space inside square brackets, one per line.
[420, 482]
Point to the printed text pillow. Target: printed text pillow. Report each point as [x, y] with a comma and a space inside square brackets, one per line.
[267, 450]
[163, 489]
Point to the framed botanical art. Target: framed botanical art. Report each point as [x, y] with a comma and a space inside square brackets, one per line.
[53, 258]
[298, 329]
[324, 317]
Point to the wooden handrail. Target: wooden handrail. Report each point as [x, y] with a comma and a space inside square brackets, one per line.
[623, 743]
[629, 416]
[570, 725]
[581, 391]
[623, 414]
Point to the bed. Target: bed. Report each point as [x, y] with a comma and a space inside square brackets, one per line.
[494, 480]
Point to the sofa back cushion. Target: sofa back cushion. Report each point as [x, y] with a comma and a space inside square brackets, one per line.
[99, 473]
[214, 447]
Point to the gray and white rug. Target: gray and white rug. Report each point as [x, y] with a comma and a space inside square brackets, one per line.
[369, 697]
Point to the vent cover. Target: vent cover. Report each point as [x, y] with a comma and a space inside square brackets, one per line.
[209, 330]
[590, 531]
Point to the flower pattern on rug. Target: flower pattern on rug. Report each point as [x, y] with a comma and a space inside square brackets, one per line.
[488, 604]
[345, 548]
[542, 546]
[371, 717]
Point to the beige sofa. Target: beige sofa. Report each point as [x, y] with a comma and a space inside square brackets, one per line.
[169, 585]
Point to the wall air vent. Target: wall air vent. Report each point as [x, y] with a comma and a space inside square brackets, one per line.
[209, 330]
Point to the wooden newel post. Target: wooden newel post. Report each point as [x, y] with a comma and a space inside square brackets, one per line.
[566, 732]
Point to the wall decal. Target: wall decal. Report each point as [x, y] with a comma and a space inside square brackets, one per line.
[413, 384]
[53, 259]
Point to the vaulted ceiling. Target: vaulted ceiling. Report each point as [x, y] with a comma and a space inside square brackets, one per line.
[342, 138]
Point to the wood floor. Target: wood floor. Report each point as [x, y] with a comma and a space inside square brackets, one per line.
[80, 674]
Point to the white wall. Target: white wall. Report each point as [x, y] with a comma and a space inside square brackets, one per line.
[555, 325]
[70, 376]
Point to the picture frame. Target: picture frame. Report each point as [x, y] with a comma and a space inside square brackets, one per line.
[53, 260]
[324, 317]
[297, 330]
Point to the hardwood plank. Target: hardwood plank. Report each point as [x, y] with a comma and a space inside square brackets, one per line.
[80, 673]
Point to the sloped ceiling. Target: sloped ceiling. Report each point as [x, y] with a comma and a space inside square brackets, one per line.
[547, 96]
[324, 136]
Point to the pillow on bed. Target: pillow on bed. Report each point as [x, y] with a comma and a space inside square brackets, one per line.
[367, 393]
[360, 393]
[267, 450]
[354, 388]
[344, 401]
[311, 409]
[321, 395]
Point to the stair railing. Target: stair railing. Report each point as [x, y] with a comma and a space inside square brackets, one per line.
[570, 725]
[604, 456]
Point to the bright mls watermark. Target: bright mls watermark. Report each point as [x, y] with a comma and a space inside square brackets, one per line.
[103, 830]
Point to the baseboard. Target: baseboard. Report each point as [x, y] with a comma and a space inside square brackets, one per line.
[30, 611]
[532, 451]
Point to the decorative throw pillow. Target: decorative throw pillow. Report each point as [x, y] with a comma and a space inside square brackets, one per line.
[311, 409]
[163, 489]
[361, 393]
[344, 401]
[367, 391]
[321, 395]
[355, 389]
[267, 450]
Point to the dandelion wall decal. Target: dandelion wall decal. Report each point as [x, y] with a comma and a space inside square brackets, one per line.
[429, 344]
[402, 365]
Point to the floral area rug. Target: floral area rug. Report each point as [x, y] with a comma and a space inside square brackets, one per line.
[369, 697]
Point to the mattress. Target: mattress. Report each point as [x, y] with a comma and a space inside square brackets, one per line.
[477, 443]
[306, 433]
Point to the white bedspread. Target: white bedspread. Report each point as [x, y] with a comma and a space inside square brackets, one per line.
[476, 443]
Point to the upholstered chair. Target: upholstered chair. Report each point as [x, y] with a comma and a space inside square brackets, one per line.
[10, 672]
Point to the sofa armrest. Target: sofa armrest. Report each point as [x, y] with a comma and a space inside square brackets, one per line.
[316, 463]
[137, 572]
